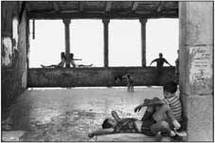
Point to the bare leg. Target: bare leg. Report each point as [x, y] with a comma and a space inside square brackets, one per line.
[50, 66]
[115, 116]
[132, 88]
[163, 127]
[101, 132]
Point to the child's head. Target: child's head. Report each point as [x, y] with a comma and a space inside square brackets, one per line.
[71, 55]
[108, 123]
[160, 55]
[169, 89]
[62, 55]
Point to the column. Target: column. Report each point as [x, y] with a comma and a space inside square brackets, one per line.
[106, 23]
[143, 41]
[67, 41]
[196, 68]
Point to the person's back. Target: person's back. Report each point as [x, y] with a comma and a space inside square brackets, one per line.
[160, 62]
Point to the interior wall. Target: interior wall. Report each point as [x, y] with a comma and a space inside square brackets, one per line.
[70, 77]
[13, 60]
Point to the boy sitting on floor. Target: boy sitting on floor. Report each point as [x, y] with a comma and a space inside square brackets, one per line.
[172, 101]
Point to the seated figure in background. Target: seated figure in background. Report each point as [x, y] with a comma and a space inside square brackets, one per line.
[72, 60]
[60, 65]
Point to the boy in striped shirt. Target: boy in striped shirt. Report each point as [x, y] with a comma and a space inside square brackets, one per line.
[170, 98]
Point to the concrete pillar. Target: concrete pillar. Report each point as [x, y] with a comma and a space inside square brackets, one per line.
[106, 34]
[196, 68]
[143, 41]
[67, 41]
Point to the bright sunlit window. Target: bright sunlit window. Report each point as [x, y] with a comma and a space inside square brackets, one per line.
[124, 43]
[86, 42]
[162, 36]
[49, 42]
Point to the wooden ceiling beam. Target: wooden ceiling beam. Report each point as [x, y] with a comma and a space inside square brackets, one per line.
[85, 15]
[134, 6]
[81, 6]
[55, 6]
[108, 6]
[159, 8]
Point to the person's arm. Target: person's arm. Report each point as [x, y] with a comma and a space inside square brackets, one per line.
[153, 61]
[115, 116]
[167, 62]
[101, 132]
[138, 108]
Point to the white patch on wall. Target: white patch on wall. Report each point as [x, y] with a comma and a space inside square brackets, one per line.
[6, 58]
[15, 33]
[201, 69]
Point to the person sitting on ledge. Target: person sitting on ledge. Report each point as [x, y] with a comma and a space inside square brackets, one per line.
[149, 127]
[60, 65]
[72, 60]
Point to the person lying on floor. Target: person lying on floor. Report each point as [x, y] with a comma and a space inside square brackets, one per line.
[132, 125]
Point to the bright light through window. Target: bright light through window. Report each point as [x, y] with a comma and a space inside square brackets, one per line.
[124, 43]
[48, 43]
[86, 42]
[162, 36]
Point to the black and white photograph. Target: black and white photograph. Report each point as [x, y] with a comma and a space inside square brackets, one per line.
[107, 71]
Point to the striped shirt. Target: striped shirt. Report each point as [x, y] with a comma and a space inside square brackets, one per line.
[175, 106]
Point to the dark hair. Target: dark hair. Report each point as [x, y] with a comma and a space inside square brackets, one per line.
[160, 54]
[106, 124]
[62, 55]
[170, 87]
[71, 55]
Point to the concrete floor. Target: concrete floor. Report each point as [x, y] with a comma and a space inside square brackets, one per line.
[70, 114]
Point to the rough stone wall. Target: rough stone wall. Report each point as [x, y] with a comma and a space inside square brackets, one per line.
[13, 53]
[196, 68]
[97, 76]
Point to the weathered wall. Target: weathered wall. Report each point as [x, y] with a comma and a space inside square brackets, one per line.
[196, 68]
[96, 76]
[13, 53]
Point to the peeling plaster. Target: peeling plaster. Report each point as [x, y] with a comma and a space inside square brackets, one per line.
[201, 69]
[6, 58]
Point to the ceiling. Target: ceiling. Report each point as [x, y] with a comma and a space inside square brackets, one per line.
[101, 9]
